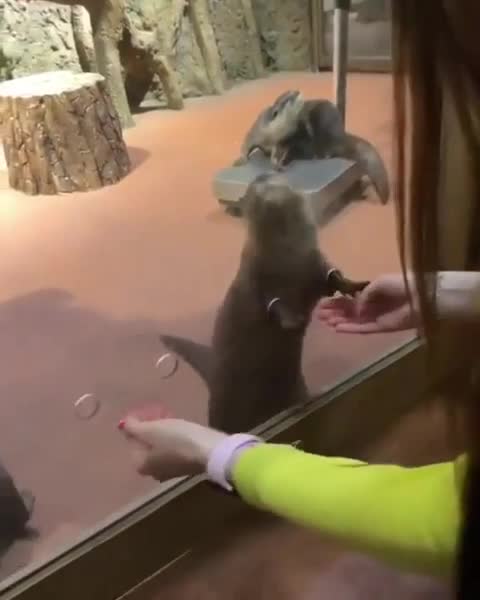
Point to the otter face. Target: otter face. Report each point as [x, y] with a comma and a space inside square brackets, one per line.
[281, 118]
[282, 233]
[275, 211]
[277, 122]
[291, 271]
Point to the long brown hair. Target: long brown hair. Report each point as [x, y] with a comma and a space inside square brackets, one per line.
[436, 64]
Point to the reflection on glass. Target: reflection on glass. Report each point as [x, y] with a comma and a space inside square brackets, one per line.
[369, 29]
[117, 229]
[87, 406]
[167, 365]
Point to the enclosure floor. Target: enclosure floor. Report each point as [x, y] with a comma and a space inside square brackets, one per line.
[88, 281]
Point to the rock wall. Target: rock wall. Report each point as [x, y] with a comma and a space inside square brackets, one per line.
[36, 35]
[187, 58]
[230, 32]
[285, 34]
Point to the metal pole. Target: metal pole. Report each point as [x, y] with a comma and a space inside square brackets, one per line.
[315, 34]
[318, 33]
[340, 53]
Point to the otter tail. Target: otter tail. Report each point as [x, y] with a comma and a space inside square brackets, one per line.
[198, 356]
[372, 163]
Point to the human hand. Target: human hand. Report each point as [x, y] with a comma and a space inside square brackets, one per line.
[382, 306]
[166, 448]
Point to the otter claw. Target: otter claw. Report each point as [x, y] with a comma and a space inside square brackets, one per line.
[347, 287]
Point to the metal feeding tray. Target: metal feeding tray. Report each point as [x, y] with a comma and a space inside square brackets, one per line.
[324, 182]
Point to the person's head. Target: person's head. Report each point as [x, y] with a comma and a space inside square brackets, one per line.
[436, 64]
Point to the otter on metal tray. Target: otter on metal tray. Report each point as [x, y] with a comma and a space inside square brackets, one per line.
[307, 140]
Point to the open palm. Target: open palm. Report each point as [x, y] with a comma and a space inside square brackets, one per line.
[382, 306]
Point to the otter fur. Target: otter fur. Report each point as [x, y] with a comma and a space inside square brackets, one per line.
[253, 367]
[293, 128]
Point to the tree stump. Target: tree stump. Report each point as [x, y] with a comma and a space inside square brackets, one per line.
[61, 133]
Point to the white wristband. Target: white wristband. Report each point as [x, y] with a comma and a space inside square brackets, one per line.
[221, 457]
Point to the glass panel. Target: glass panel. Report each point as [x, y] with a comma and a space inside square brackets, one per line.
[92, 277]
[369, 29]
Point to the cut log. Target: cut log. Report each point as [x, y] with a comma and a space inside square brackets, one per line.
[61, 133]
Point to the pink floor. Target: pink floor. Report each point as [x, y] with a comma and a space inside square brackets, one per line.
[88, 280]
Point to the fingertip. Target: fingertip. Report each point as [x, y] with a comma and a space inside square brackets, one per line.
[343, 328]
[336, 320]
[327, 314]
[357, 328]
[152, 413]
[143, 424]
[325, 302]
[132, 425]
[360, 306]
[125, 425]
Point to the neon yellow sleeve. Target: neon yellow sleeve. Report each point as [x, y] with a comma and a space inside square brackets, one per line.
[409, 517]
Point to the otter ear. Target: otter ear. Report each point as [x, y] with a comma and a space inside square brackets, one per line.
[337, 282]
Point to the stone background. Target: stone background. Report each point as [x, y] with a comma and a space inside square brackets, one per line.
[37, 36]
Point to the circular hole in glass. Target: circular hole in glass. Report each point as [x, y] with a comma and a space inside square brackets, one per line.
[86, 407]
[167, 365]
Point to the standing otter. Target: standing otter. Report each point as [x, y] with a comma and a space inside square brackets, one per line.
[253, 369]
[293, 128]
